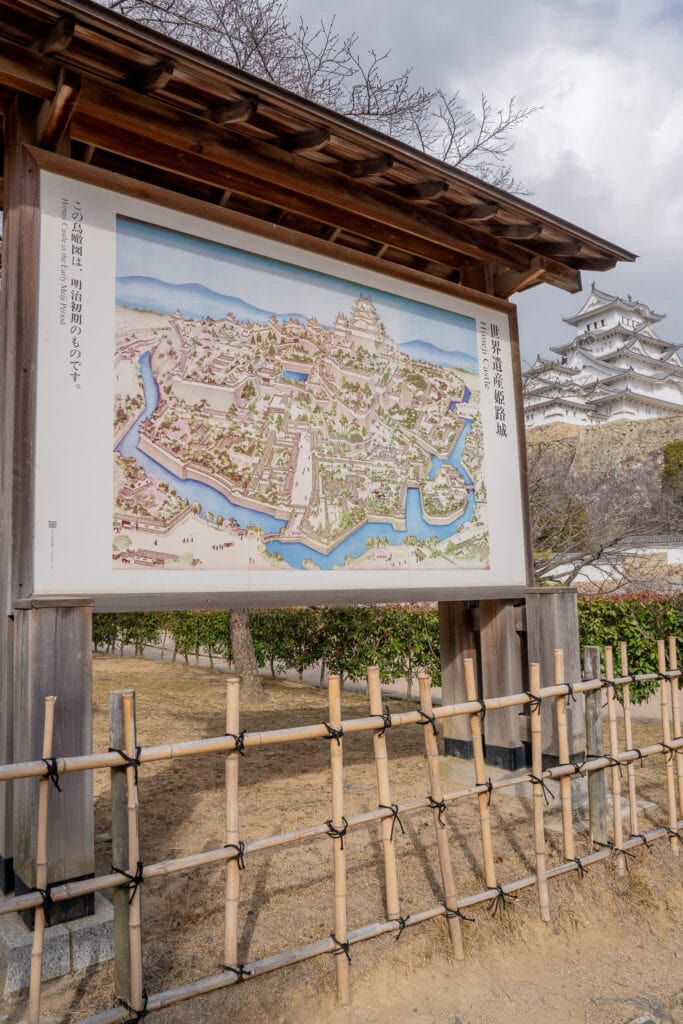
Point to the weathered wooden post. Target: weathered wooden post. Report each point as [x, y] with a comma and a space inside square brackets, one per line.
[552, 623]
[53, 656]
[597, 788]
[458, 642]
[501, 674]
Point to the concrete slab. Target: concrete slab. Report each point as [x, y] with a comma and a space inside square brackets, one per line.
[92, 938]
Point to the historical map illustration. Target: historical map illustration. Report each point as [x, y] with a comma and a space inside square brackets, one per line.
[270, 416]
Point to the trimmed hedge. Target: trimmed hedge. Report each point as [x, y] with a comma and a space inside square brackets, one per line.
[400, 639]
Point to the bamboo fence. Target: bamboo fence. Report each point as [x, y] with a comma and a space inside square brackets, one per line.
[125, 758]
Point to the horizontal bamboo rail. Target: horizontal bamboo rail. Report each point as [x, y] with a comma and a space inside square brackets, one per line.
[256, 968]
[225, 744]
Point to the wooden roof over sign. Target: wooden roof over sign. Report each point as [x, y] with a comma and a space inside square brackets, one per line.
[137, 103]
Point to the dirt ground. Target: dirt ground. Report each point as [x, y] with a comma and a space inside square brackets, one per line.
[612, 954]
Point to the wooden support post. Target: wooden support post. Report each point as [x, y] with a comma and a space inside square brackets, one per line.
[539, 796]
[597, 790]
[436, 794]
[552, 622]
[628, 740]
[668, 755]
[337, 827]
[18, 330]
[615, 770]
[457, 642]
[501, 674]
[676, 718]
[53, 656]
[41, 869]
[128, 978]
[232, 823]
[563, 753]
[484, 799]
[387, 825]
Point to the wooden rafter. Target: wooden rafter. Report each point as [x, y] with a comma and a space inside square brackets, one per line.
[56, 114]
[151, 79]
[299, 142]
[365, 168]
[507, 282]
[58, 37]
[475, 211]
[516, 230]
[229, 113]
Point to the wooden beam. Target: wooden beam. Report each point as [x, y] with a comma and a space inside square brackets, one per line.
[332, 234]
[88, 154]
[229, 113]
[422, 189]
[569, 248]
[515, 230]
[299, 142]
[592, 262]
[480, 276]
[507, 282]
[365, 168]
[58, 37]
[150, 79]
[56, 114]
[225, 198]
[476, 211]
[381, 250]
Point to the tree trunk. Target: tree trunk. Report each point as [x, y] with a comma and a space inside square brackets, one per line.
[243, 655]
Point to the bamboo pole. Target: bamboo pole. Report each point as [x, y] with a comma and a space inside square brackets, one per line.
[436, 794]
[41, 869]
[668, 755]
[232, 827]
[387, 823]
[563, 754]
[676, 715]
[483, 798]
[537, 773]
[615, 771]
[135, 917]
[337, 830]
[628, 739]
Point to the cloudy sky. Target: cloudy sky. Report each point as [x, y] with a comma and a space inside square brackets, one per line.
[606, 150]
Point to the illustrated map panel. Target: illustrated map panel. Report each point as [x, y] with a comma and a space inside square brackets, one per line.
[267, 416]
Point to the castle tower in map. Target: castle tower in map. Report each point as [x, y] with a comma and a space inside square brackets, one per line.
[366, 328]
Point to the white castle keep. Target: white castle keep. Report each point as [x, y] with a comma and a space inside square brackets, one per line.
[616, 367]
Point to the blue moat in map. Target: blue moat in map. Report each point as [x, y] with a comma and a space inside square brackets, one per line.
[295, 553]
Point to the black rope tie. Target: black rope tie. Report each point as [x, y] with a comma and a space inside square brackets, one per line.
[545, 788]
[578, 767]
[667, 750]
[240, 853]
[663, 676]
[337, 833]
[46, 897]
[394, 819]
[402, 922]
[583, 870]
[615, 850]
[133, 881]
[240, 970]
[440, 807]
[482, 709]
[131, 762]
[639, 752]
[386, 719]
[500, 900]
[450, 912]
[570, 693]
[238, 737]
[137, 1015]
[673, 833]
[615, 762]
[633, 677]
[643, 838]
[52, 772]
[340, 948]
[489, 790]
[606, 683]
[333, 734]
[429, 720]
[535, 701]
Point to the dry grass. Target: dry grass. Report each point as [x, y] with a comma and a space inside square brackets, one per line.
[286, 894]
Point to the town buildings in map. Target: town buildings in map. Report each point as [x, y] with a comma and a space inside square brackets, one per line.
[262, 444]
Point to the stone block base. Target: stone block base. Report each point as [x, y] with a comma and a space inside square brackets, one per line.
[67, 947]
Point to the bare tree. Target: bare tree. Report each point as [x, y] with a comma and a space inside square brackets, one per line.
[332, 69]
[595, 530]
